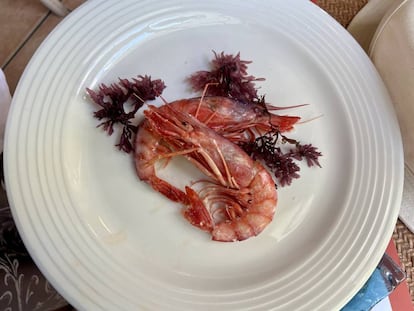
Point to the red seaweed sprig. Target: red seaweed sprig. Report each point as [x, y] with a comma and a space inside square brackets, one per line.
[267, 148]
[228, 77]
[119, 103]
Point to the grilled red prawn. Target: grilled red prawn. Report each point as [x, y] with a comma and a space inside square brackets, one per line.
[241, 200]
[232, 119]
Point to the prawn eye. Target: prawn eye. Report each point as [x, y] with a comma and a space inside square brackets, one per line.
[184, 123]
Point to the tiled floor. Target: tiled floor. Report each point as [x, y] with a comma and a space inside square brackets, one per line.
[24, 24]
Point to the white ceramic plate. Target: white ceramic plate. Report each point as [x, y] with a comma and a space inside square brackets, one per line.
[107, 241]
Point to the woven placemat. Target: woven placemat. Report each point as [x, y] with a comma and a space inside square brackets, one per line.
[404, 241]
[344, 11]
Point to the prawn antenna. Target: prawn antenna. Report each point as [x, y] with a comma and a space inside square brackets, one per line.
[164, 100]
[275, 108]
[311, 119]
[203, 95]
[139, 98]
[231, 181]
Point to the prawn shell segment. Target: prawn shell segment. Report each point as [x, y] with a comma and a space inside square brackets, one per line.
[149, 148]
